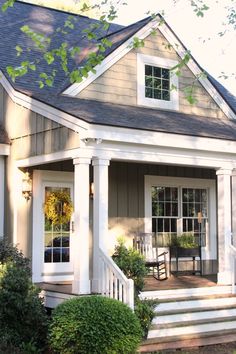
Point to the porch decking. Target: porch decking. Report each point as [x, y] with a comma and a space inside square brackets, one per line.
[151, 284]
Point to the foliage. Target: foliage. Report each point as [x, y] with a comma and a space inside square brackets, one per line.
[23, 320]
[58, 207]
[185, 240]
[94, 324]
[131, 263]
[145, 311]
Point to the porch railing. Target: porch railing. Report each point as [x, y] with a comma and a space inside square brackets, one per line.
[113, 283]
[233, 267]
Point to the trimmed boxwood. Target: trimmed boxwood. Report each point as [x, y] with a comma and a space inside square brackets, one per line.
[94, 324]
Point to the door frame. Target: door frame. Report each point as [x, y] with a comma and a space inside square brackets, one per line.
[54, 271]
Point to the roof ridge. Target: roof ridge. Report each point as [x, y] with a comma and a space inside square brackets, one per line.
[125, 27]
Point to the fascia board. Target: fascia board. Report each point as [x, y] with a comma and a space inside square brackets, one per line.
[161, 139]
[111, 59]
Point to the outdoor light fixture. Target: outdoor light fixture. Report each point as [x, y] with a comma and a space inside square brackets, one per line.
[27, 186]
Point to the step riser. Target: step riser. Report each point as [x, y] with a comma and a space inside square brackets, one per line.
[192, 330]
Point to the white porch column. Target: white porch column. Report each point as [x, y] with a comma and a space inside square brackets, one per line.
[100, 214]
[224, 225]
[234, 208]
[2, 186]
[81, 282]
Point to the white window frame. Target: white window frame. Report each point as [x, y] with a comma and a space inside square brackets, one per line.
[48, 271]
[209, 251]
[142, 60]
[2, 189]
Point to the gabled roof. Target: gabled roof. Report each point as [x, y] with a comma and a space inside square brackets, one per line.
[94, 112]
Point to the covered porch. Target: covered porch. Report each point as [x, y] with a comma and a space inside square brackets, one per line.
[121, 205]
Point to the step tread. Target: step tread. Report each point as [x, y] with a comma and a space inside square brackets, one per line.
[191, 330]
[194, 316]
[195, 304]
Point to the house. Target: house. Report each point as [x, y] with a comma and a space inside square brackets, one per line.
[157, 163]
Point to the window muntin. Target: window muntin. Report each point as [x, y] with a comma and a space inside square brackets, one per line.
[176, 210]
[157, 83]
[56, 237]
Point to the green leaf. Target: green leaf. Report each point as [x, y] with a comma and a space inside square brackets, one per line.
[8, 3]
[19, 50]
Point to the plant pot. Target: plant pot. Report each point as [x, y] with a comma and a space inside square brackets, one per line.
[179, 252]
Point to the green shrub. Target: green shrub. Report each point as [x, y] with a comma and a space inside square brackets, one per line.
[94, 325]
[145, 312]
[132, 263]
[23, 319]
[185, 240]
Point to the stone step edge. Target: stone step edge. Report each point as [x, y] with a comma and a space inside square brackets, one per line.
[147, 347]
[193, 310]
[189, 336]
[192, 323]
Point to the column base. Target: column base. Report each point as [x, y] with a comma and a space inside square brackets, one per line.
[95, 285]
[224, 278]
[81, 287]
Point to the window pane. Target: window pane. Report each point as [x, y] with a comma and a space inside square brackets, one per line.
[161, 193]
[156, 71]
[65, 255]
[165, 84]
[148, 92]
[165, 73]
[148, 70]
[157, 94]
[148, 81]
[166, 95]
[157, 84]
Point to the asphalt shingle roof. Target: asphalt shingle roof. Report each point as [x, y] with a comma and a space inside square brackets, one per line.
[94, 112]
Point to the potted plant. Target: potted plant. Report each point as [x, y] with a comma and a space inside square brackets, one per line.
[185, 245]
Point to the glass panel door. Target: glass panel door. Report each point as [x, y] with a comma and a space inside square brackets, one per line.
[195, 213]
[57, 237]
[165, 213]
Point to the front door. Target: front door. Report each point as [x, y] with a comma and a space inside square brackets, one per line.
[52, 236]
[57, 255]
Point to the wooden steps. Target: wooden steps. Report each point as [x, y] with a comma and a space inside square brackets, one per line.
[192, 320]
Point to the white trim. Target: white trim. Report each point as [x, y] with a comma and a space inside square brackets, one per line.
[2, 199]
[111, 59]
[143, 60]
[39, 271]
[44, 109]
[210, 250]
[4, 149]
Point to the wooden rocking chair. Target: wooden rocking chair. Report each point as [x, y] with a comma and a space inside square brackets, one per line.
[157, 262]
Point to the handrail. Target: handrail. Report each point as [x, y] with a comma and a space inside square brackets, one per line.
[233, 267]
[112, 281]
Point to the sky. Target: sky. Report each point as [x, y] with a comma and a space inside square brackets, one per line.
[200, 35]
[214, 53]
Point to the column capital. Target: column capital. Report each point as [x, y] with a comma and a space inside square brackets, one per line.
[224, 172]
[82, 160]
[98, 161]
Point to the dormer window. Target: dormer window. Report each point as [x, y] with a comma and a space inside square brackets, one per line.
[157, 86]
[157, 83]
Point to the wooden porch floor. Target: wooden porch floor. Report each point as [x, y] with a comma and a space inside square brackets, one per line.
[173, 282]
[180, 282]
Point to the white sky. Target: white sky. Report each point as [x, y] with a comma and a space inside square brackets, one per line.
[216, 54]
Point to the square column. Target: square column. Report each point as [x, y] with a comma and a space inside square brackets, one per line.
[100, 214]
[224, 225]
[81, 282]
[233, 239]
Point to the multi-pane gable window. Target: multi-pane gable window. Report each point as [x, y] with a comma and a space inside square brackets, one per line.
[157, 83]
